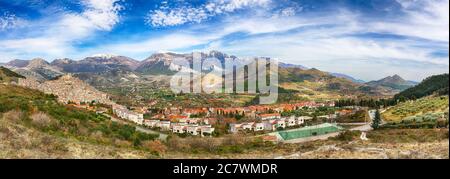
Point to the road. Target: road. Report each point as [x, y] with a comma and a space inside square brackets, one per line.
[162, 136]
[368, 126]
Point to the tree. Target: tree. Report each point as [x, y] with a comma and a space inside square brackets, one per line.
[377, 120]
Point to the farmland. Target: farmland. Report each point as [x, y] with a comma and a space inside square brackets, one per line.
[427, 105]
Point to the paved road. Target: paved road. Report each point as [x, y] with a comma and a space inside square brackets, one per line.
[162, 136]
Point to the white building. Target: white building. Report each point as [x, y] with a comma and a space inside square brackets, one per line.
[193, 129]
[235, 128]
[164, 125]
[258, 127]
[126, 114]
[206, 130]
[248, 126]
[151, 123]
[291, 121]
[179, 128]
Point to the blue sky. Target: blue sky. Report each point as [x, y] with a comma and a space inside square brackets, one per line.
[368, 39]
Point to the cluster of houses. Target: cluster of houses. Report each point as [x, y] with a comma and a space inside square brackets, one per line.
[252, 112]
[183, 126]
[269, 123]
[124, 113]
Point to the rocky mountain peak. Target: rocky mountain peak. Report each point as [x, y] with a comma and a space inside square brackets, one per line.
[37, 63]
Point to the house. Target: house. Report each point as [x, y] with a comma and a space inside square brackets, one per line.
[269, 116]
[193, 129]
[124, 113]
[291, 121]
[248, 126]
[177, 118]
[194, 121]
[151, 123]
[206, 130]
[258, 127]
[273, 125]
[280, 124]
[234, 128]
[179, 128]
[164, 125]
[300, 121]
[305, 118]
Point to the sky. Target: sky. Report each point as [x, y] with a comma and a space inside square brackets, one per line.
[367, 39]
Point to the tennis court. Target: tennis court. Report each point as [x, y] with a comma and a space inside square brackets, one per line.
[310, 131]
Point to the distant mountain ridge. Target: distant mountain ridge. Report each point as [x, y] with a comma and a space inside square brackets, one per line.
[37, 68]
[394, 82]
[112, 70]
[340, 75]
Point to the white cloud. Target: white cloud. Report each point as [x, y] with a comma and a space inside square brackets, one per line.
[177, 16]
[427, 19]
[103, 14]
[63, 30]
[10, 21]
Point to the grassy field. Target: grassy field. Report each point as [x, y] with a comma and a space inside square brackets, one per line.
[421, 106]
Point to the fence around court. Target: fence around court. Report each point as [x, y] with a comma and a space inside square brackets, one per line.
[310, 131]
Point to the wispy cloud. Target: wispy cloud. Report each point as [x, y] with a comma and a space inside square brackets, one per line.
[10, 21]
[165, 16]
[63, 30]
[415, 32]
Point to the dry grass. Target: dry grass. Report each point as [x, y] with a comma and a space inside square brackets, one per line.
[41, 119]
[14, 116]
[18, 141]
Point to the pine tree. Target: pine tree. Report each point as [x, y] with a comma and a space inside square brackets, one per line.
[377, 120]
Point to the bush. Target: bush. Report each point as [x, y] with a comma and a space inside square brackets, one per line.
[155, 146]
[347, 136]
[14, 116]
[41, 119]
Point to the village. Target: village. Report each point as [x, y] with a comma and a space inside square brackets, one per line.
[187, 121]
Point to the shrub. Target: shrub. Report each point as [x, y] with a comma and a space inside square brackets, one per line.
[41, 119]
[347, 136]
[14, 116]
[155, 146]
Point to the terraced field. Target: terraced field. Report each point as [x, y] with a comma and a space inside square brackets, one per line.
[427, 105]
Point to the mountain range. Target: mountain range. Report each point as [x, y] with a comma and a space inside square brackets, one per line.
[114, 70]
[394, 82]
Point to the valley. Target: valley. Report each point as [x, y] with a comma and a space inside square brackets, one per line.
[127, 106]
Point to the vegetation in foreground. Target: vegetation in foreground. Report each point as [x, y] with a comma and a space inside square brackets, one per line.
[423, 106]
[39, 111]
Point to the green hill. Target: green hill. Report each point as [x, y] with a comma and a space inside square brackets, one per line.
[313, 83]
[41, 112]
[437, 84]
[6, 75]
[426, 105]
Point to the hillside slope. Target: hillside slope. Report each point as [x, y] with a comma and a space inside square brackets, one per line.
[393, 82]
[40, 112]
[435, 84]
[6, 75]
[422, 106]
[19, 141]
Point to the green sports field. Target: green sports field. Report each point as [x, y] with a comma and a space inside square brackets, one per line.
[310, 131]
